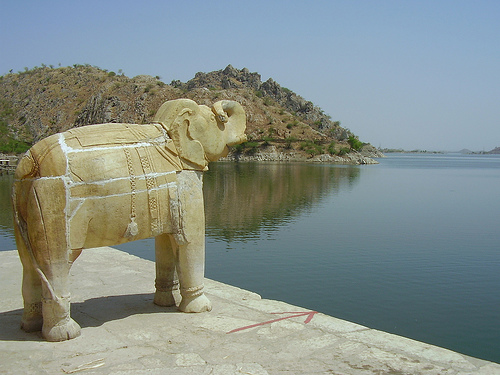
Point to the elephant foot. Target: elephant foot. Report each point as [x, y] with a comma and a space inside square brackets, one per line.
[196, 305]
[32, 324]
[194, 301]
[32, 319]
[163, 298]
[57, 323]
[166, 292]
[61, 332]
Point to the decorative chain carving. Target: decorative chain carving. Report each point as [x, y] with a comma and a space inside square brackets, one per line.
[132, 180]
[132, 228]
[192, 292]
[166, 286]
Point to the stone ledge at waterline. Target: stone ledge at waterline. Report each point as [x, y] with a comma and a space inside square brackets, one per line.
[123, 332]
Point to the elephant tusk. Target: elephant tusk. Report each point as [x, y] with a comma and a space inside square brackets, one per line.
[219, 112]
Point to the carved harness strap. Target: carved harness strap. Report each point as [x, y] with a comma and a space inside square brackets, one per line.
[156, 194]
[119, 162]
[152, 188]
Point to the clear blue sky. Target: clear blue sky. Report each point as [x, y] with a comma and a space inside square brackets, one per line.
[411, 74]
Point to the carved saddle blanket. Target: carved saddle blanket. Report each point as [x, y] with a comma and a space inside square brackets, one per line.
[123, 175]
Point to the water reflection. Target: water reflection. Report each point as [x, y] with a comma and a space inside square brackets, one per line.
[243, 198]
[5, 204]
[240, 198]
[7, 241]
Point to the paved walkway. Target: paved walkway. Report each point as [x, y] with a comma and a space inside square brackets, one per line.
[123, 332]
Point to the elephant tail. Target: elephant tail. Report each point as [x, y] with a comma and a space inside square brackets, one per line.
[27, 167]
[25, 250]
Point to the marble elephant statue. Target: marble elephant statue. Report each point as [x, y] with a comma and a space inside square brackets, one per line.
[107, 184]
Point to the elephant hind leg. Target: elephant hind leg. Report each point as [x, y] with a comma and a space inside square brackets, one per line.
[57, 322]
[32, 319]
[51, 256]
[31, 288]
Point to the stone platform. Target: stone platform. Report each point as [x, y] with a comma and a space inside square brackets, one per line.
[123, 332]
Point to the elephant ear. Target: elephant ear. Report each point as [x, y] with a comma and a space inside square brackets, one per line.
[176, 116]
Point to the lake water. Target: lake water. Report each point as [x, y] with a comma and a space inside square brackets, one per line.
[410, 246]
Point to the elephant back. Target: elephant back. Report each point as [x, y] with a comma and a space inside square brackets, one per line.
[105, 152]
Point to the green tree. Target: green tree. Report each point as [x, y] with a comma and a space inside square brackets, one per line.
[8, 144]
[354, 142]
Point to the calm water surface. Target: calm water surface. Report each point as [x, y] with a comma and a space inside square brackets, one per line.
[409, 246]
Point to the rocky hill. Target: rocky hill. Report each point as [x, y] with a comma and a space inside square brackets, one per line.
[281, 125]
[496, 150]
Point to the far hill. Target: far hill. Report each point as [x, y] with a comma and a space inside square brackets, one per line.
[42, 101]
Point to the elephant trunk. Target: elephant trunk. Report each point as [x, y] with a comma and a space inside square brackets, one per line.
[232, 114]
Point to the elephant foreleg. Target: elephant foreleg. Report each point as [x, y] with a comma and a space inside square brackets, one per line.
[191, 250]
[167, 284]
[191, 270]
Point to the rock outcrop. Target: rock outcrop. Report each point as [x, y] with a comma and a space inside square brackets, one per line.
[232, 78]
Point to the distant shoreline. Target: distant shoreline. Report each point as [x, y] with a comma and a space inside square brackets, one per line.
[464, 152]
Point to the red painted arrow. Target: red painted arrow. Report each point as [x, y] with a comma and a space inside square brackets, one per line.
[310, 315]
